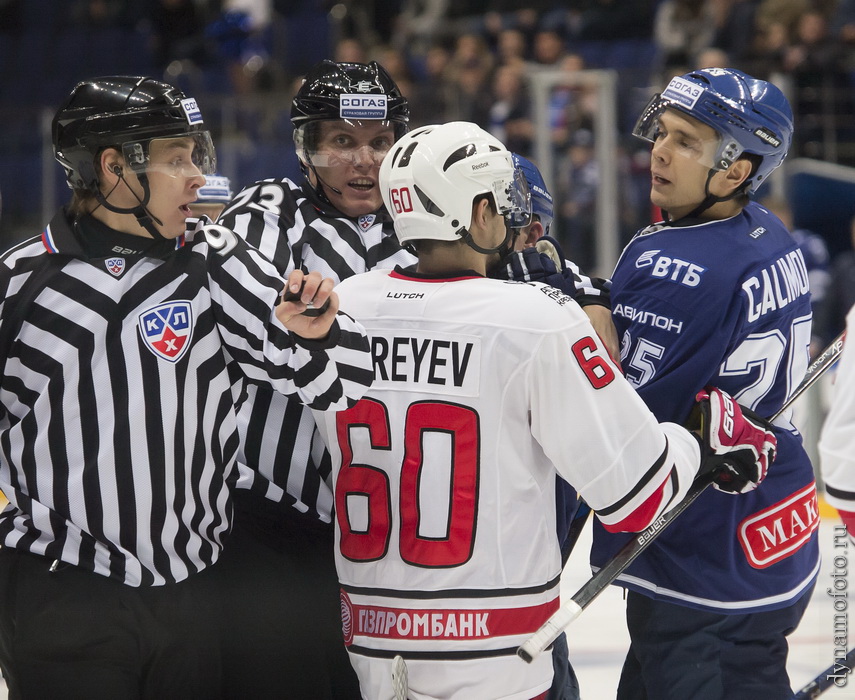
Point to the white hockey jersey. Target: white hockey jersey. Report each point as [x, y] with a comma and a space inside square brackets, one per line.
[445, 475]
[837, 456]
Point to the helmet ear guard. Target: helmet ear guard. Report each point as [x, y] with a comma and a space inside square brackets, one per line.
[751, 117]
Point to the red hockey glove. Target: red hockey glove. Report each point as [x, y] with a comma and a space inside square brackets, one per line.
[737, 445]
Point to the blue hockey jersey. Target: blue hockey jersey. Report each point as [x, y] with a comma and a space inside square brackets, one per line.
[723, 303]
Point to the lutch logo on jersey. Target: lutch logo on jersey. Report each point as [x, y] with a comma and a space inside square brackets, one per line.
[115, 266]
[166, 329]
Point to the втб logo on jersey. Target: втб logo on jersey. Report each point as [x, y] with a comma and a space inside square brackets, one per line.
[674, 269]
[166, 329]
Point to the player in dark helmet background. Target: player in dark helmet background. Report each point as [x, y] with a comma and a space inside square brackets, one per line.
[119, 335]
[712, 600]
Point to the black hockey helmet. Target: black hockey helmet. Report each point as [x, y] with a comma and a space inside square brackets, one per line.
[124, 112]
[354, 92]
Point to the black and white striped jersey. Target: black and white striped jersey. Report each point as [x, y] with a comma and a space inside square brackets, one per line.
[282, 457]
[117, 423]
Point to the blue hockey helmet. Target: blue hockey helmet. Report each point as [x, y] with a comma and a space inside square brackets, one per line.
[541, 200]
[751, 116]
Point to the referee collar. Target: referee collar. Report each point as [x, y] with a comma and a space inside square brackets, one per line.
[326, 209]
[89, 238]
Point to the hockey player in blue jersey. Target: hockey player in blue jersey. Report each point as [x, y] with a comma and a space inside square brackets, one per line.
[717, 294]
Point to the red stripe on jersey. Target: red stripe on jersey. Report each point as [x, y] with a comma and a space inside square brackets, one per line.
[445, 624]
[640, 518]
[399, 276]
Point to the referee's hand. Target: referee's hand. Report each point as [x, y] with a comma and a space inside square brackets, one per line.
[313, 307]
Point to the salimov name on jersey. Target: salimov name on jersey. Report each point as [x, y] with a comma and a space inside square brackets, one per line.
[777, 285]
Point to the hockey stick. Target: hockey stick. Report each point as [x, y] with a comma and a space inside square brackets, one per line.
[568, 612]
[828, 678]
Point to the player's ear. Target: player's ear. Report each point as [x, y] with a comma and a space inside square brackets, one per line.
[732, 178]
[112, 166]
[480, 212]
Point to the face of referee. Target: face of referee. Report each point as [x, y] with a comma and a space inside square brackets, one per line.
[173, 181]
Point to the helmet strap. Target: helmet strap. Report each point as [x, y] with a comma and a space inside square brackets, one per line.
[319, 185]
[708, 200]
[503, 249]
[145, 218]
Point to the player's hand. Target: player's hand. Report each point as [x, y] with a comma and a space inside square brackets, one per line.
[312, 307]
[738, 445]
[532, 265]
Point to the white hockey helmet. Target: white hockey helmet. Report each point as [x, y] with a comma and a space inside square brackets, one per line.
[432, 174]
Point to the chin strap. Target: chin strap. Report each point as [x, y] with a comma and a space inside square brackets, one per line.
[709, 199]
[503, 249]
[305, 168]
[145, 218]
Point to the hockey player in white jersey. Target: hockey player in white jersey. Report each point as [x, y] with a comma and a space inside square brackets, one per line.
[445, 473]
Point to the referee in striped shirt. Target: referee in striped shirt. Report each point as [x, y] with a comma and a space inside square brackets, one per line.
[281, 625]
[118, 432]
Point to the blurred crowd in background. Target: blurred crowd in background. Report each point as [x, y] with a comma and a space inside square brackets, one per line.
[454, 59]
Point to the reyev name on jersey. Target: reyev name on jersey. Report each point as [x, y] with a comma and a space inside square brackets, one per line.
[686, 322]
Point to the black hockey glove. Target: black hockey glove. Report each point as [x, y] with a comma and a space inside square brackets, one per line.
[737, 445]
[533, 265]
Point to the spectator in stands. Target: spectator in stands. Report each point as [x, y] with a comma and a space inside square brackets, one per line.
[510, 117]
[571, 106]
[682, 29]
[548, 49]
[822, 90]
[843, 22]
[511, 47]
[830, 318]
[469, 73]
[350, 50]
[177, 30]
[579, 181]
[734, 27]
[433, 95]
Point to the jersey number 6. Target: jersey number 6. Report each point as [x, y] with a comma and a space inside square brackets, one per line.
[371, 541]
